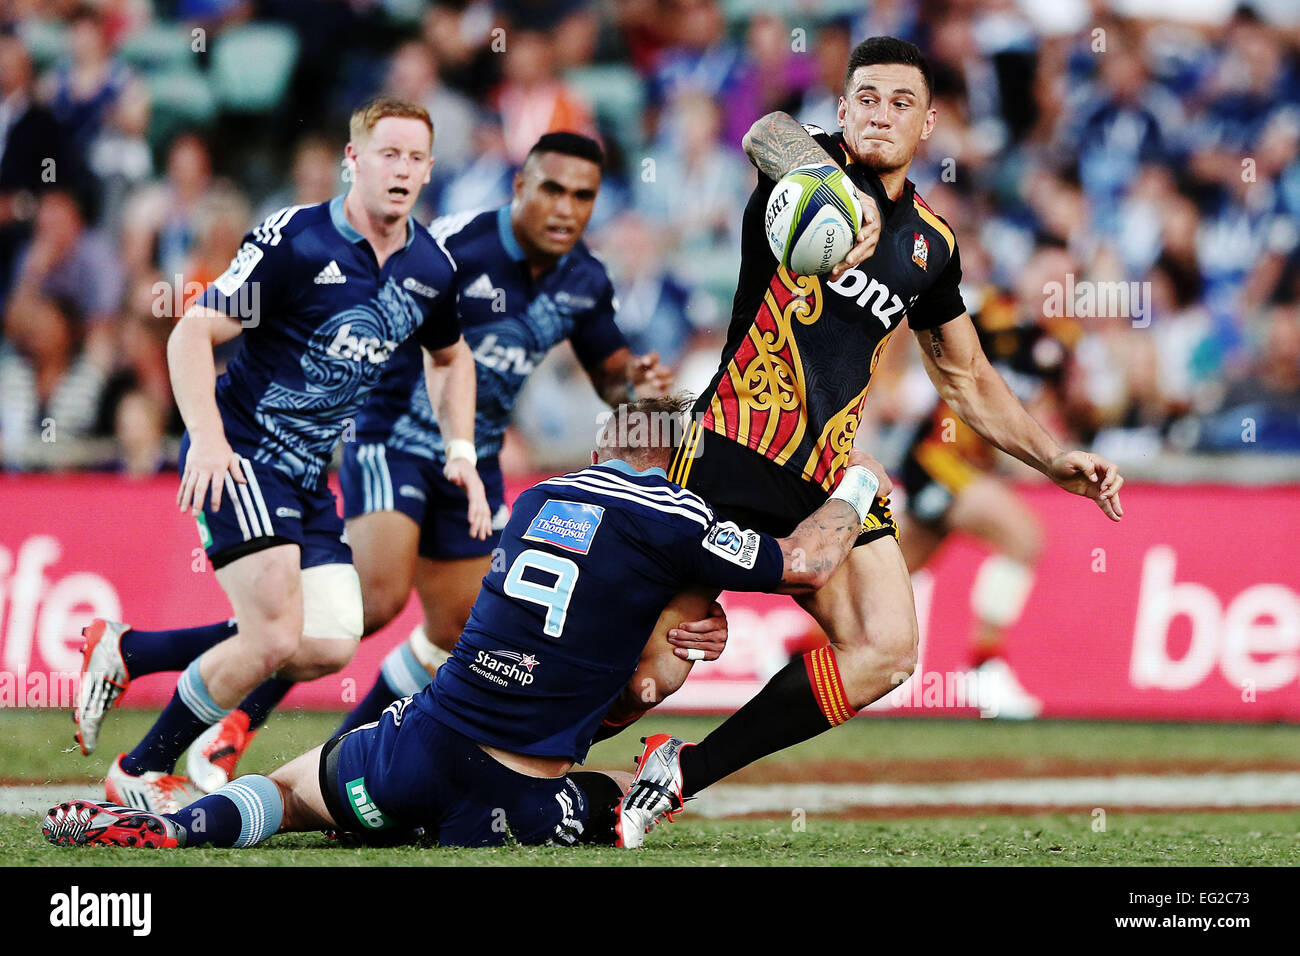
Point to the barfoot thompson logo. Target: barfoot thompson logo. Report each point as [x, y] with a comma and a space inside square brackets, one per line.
[566, 524]
[77, 909]
[502, 666]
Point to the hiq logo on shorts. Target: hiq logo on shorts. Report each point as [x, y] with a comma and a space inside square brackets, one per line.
[566, 524]
[501, 667]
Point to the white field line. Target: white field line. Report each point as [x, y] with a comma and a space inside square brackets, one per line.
[1252, 789]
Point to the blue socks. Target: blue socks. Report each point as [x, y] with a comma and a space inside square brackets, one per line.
[241, 814]
[189, 713]
[148, 652]
[264, 699]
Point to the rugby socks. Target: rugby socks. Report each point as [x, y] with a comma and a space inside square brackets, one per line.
[190, 712]
[148, 652]
[804, 699]
[264, 699]
[241, 814]
[400, 675]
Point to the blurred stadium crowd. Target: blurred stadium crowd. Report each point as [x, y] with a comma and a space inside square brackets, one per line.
[1078, 142]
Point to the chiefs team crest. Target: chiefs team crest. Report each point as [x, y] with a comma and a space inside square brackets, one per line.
[920, 250]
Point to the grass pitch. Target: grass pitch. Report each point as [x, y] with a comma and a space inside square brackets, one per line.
[36, 747]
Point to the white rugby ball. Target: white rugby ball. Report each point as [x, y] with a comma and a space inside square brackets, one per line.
[811, 219]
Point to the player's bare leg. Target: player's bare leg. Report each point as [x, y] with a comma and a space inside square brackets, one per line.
[299, 785]
[383, 551]
[447, 592]
[265, 590]
[917, 541]
[869, 614]
[867, 611]
[989, 510]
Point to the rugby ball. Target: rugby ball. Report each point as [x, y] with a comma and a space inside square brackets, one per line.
[811, 218]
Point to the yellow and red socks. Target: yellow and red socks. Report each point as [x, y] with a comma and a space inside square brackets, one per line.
[804, 699]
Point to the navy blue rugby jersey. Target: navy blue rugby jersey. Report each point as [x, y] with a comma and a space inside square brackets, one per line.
[323, 321]
[509, 319]
[587, 564]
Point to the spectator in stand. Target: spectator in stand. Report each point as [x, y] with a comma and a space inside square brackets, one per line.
[120, 157]
[572, 25]
[314, 176]
[1261, 410]
[158, 228]
[49, 387]
[463, 36]
[703, 232]
[532, 100]
[85, 88]
[830, 50]
[138, 434]
[30, 153]
[68, 270]
[653, 307]
[700, 61]
[413, 76]
[776, 74]
[485, 183]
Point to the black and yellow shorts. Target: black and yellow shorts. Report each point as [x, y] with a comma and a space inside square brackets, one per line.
[934, 473]
[741, 485]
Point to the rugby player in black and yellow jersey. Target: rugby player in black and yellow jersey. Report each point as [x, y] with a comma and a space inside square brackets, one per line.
[774, 430]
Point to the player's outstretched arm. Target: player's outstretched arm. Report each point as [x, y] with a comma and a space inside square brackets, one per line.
[455, 391]
[194, 383]
[778, 143]
[969, 384]
[823, 540]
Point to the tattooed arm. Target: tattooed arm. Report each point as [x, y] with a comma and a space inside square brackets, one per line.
[776, 144]
[824, 539]
[962, 375]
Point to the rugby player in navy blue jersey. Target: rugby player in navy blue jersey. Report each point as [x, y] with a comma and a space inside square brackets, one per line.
[324, 295]
[777, 424]
[525, 282]
[484, 753]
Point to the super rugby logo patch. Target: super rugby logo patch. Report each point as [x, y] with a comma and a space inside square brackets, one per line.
[734, 544]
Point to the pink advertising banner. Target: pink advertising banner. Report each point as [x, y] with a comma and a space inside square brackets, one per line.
[1187, 610]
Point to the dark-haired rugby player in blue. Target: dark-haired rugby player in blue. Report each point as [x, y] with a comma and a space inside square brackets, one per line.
[525, 282]
[590, 561]
[324, 296]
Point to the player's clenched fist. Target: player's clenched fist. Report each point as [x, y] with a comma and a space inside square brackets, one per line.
[1083, 473]
[867, 236]
[209, 460]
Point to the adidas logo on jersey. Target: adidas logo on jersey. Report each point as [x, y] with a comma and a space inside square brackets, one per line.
[330, 275]
[481, 288]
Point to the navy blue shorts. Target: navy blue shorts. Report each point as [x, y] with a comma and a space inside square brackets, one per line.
[378, 477]
[271, 509]
[408, 770]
